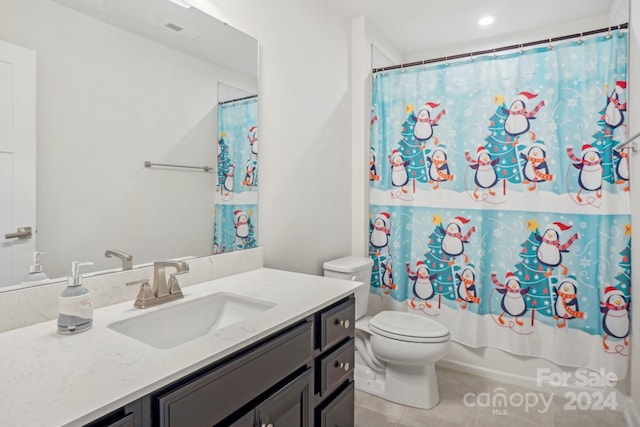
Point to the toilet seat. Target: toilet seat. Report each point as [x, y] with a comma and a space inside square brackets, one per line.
[408, 327]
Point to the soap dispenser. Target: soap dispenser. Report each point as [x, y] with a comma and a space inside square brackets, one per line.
[76, 309]
[36, 276]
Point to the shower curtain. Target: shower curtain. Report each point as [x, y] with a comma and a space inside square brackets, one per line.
[236, 202]
[499, 204]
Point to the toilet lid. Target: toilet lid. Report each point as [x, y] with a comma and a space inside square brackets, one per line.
[408, 327]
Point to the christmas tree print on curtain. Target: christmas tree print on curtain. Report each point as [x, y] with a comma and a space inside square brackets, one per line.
[599, 162]
[444, 247]
[224, 163]
[615, 305]
[411, 162]
[540, 256]
[505, 149]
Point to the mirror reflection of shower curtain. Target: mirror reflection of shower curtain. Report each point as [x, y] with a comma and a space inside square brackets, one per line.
[499, 205]
[236, 209]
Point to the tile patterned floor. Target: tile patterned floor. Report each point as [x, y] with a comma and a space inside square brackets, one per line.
[372, 411]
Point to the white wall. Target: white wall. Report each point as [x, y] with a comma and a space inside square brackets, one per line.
[107, 101]
[305, 124]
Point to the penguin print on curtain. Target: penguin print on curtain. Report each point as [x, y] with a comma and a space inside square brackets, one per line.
[236, 208]
[499, 205]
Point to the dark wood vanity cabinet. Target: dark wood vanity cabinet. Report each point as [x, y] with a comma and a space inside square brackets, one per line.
[334, 363]
[301, 376]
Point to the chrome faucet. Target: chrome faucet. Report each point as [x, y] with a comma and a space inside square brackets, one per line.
[162, 291]
[127, 259]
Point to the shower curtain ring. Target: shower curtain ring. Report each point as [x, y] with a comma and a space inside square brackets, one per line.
[550, 46]
[471, 57]
[446, 61]
[521, 49]
[609, 33]
[580, 41]
[494, 54]
[620, 34]
[424, 65]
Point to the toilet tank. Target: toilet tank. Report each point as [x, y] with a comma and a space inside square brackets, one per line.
[353, 268]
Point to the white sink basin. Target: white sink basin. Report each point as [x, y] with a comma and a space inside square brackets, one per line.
[176, 324]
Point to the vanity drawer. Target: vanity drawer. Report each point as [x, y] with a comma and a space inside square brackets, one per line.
[210, 398]
[336, 324]
[340, 411]
[335, 367]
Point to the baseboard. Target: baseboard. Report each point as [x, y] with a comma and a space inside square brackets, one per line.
[492, 374]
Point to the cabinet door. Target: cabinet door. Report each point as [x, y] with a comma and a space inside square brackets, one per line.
[290, 406]
[339, 412]
[212, 397]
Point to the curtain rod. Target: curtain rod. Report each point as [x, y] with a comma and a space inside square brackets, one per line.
[501, 49]
[237, 100]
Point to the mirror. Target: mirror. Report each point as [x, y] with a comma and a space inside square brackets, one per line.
[121, 83]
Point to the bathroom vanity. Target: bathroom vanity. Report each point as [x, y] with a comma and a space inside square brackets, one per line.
[291, 364]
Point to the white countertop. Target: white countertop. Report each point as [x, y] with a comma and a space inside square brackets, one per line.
[49, 379]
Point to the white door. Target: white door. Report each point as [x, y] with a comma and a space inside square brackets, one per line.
[17, 160]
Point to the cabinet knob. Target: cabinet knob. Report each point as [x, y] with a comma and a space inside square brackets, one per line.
[343, 365]
[344, 323]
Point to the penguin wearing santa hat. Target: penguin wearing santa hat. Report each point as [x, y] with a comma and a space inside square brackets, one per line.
[566, 303]
[399, 175]
[485, 175]
[613, 113]
[622, 168]
[422, 284]
[241, 224]
[380, 230]
[549, 252]
[423, 129]
[453, 241]
[228, 181]
[590, 166]
[512, 302]
[253, 140]
[439, 167]
[467, 286]
[535, 167]
[517, 121]
[615, 319]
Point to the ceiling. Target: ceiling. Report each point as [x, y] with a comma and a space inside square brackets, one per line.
[422, 25]
[185, 29]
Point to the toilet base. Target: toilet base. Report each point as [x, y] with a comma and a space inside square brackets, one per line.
[415, 386]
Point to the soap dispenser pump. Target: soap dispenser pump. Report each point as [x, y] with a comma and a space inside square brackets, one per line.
[76, 308]
[36, 276]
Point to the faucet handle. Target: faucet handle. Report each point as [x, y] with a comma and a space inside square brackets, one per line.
[145, 294]
[173, 285]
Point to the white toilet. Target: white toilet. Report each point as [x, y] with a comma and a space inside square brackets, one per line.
[395, 350]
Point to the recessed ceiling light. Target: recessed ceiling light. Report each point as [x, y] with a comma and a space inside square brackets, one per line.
[181, 3]
[486, 20]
